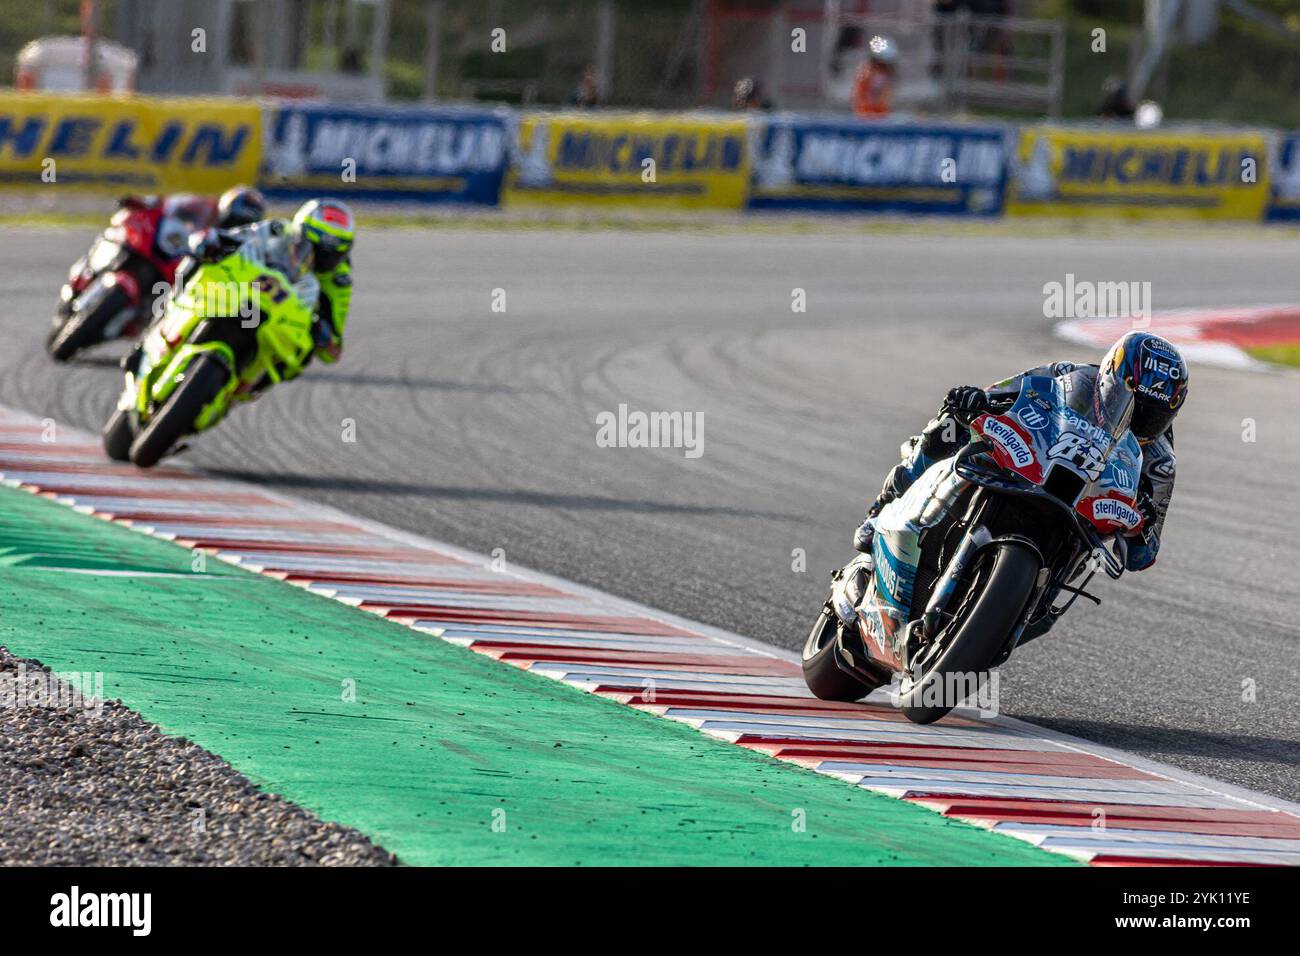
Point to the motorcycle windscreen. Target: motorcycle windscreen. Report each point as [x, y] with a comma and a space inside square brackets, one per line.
[104, 256]
[1115, 402]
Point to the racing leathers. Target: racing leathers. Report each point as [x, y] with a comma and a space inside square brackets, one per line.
[944, 437]
[328, 292]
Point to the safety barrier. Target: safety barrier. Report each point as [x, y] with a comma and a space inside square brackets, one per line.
[834, 165]
[1100, 171]
[1284, 196]
[685, 160]
[697, 160]
[127, 144]
[453, 155]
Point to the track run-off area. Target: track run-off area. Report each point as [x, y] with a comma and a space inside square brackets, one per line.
[477, 428]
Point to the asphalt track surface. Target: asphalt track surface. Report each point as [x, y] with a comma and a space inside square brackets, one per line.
[478, 428]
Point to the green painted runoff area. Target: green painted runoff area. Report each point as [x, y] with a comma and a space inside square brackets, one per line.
[444, 756]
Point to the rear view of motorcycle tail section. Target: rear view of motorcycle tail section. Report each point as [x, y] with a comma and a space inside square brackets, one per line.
[205, 349]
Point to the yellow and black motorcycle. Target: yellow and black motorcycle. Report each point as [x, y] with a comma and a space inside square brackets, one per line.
[236, 327]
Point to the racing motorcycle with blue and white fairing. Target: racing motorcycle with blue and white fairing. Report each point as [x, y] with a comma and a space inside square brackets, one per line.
[974, 558]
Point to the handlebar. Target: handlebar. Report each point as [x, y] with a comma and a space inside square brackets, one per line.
[995, 406]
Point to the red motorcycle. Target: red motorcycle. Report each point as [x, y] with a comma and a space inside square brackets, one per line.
[111, 290]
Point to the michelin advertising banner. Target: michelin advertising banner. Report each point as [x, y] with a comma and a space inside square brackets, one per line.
[1170, 173]
[448, 155]
[878, 167]
[1284, 199]
[696, 162]
[127, 145]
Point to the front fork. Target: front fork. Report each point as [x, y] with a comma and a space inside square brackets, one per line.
[928, 626]
[149, 385]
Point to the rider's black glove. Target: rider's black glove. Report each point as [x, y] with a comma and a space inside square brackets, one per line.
[205, 245]
[1147, 508]
[966, 400]
[213, 245]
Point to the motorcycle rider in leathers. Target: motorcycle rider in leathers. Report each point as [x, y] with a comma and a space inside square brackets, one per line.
[313, 250]
[187, 213]
[1140, 384]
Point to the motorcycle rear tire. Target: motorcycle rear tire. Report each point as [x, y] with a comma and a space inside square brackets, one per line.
[175, 419]
[117, 436]
[820, 672]
[81, 330]
[981, 635]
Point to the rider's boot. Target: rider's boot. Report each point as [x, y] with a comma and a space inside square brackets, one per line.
[131, 360]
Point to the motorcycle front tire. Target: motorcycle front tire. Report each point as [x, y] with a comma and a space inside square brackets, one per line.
[204, 380]
[980, 635]
[80, 330]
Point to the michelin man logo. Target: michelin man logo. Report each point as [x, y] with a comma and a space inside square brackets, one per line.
[1286, 180]
[774, 167]
[287, 152]
[532, 166]
[1034, 178]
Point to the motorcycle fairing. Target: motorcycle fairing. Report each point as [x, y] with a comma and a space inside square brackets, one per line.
[1040, 432]
[283, 330]
[887, 607]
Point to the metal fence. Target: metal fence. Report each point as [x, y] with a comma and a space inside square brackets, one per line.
[684, 53]
[637, 54]
[962, 63]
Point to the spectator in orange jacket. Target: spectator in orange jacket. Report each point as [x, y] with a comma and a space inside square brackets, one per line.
[873, 87]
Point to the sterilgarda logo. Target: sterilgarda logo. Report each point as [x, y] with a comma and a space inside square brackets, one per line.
[1022, 456]
[1112, 509]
